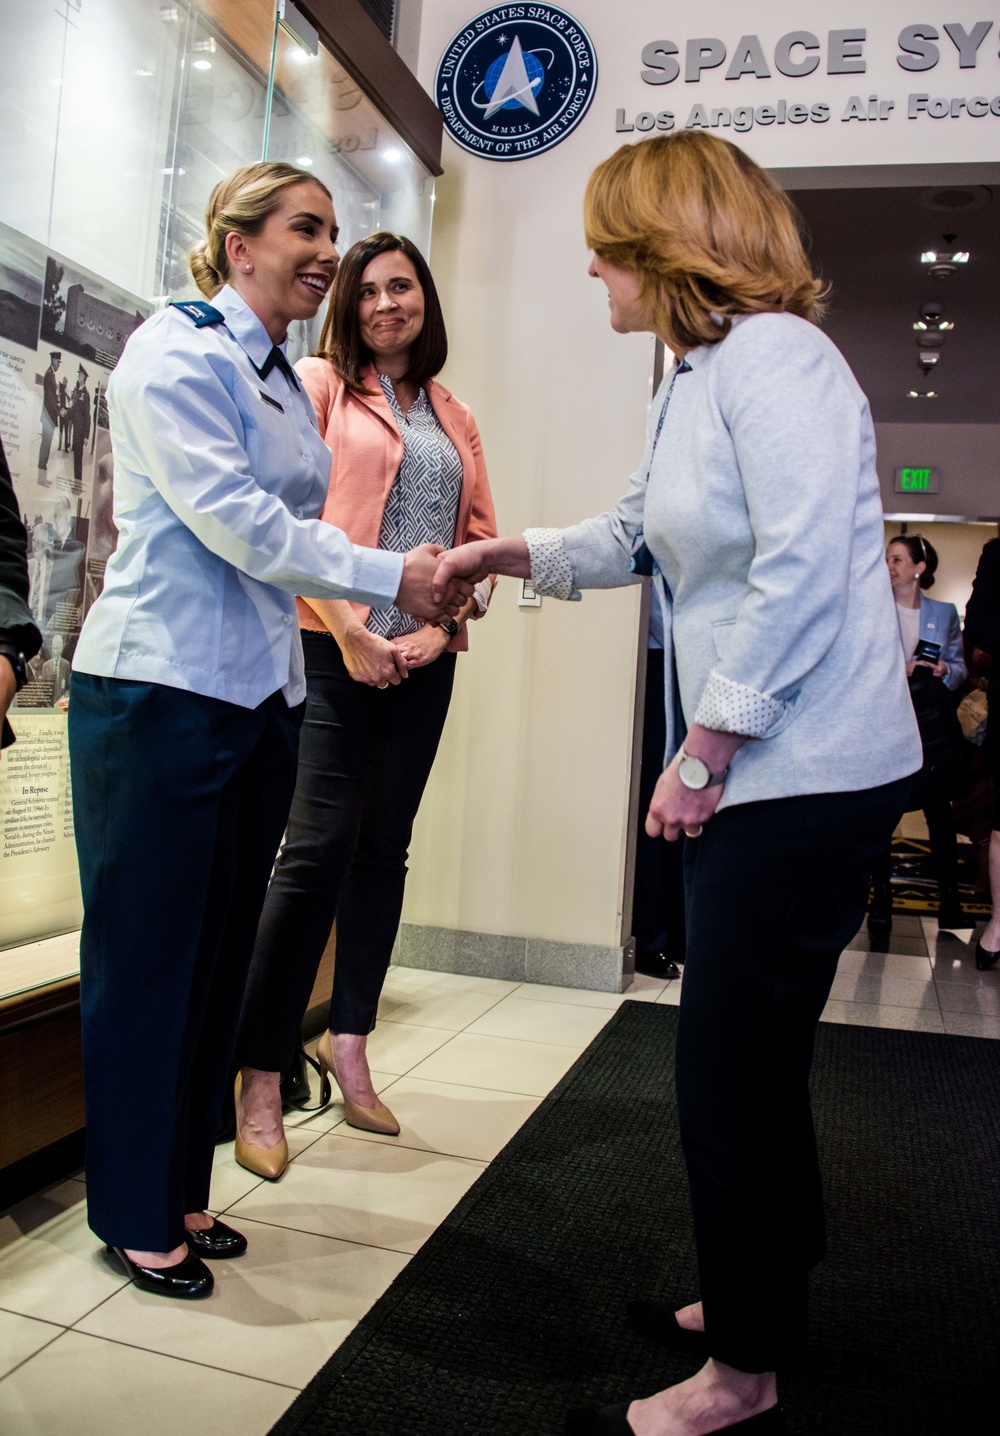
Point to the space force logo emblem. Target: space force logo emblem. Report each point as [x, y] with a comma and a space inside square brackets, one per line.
[516, 81]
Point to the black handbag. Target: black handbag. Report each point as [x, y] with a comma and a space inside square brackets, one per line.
[944, 766]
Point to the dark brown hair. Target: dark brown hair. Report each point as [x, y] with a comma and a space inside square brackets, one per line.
[707, 231]
[920, 551]
[341, 342]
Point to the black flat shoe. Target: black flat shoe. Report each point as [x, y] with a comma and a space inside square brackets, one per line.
[613, 1421]
[218, 1242]
[984, 958]
[880, 910]
[657, 1321]
[657, 964]
[188, 1279]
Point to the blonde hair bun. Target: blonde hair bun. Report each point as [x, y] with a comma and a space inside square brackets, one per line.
[240, 204]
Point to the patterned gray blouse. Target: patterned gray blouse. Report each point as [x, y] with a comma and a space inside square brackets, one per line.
[422, 506]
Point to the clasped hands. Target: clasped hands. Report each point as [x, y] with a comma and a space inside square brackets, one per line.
[437, 582]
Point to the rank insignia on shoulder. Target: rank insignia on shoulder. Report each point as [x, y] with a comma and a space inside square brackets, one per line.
[199, 312]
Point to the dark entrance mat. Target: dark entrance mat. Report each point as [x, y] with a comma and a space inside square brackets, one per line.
[514, 1309]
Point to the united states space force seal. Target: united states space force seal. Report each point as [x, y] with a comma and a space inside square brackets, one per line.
[516, 81]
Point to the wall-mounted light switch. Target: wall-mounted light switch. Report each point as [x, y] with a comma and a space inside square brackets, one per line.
[528, 597]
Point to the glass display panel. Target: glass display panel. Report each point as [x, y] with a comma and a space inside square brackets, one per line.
[116, 119]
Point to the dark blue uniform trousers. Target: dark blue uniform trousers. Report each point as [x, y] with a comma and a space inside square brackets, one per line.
[179, 804]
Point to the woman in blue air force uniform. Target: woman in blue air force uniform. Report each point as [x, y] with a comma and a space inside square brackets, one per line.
[187, 697]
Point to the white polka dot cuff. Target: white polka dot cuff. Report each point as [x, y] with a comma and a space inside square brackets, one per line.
[732, 707]
[551, 570]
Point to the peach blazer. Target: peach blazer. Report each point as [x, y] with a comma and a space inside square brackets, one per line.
[367, 450]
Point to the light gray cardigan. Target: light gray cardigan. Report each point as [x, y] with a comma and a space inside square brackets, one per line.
[761, 507]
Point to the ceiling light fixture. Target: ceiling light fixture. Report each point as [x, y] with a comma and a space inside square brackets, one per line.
[392, 155]
[943, 263]
[922, 394]
[202, 64]
[305, 161]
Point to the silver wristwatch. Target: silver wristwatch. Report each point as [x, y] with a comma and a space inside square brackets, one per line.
[695, 774]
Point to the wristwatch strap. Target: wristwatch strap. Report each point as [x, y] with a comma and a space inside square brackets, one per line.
[450, 626]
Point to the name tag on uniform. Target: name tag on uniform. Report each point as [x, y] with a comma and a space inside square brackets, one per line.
[268, 400]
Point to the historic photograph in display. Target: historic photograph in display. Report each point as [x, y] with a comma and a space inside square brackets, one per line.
[22, 275]
[62, 330]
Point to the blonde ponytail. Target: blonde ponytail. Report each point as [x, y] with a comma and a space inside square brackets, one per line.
[242, 204]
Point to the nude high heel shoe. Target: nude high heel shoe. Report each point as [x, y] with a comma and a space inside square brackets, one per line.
[267, 1162]
[367, 1119]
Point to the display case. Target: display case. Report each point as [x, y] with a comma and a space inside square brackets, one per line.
[116, 119]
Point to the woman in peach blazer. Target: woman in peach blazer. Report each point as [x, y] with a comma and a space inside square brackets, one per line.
[407, 469]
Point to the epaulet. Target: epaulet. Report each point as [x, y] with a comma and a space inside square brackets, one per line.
[199, 312]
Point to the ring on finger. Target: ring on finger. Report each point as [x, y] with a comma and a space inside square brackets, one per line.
[694, 832]
[384, 685]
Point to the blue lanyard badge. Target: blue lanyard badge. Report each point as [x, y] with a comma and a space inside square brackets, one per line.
[643, 563]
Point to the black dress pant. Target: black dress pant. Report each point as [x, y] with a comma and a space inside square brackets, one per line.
[941, 832]
[364, 760]
[658, 895]
[179, 803]
[775, 891]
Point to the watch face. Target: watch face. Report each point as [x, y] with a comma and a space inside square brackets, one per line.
[693, 772]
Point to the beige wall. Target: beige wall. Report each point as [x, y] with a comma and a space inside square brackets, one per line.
[523, 829]
[967, 455]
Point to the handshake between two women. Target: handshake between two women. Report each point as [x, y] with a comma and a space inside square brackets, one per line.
[436, 582]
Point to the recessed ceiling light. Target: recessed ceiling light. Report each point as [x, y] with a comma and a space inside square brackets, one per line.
[305, 161]
[202, 64]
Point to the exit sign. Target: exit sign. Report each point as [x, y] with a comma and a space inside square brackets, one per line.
[916, 480]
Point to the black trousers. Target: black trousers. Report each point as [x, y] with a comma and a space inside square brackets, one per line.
[775, 891]
[179, 803]
[364, 760]
[658, 894]
[936, 807]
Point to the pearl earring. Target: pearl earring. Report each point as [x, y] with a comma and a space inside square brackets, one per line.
[248, 267]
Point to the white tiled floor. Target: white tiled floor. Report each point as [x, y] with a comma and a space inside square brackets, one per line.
[462, 1061]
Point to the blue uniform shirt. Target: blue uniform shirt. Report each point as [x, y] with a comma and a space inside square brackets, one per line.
[220, 476]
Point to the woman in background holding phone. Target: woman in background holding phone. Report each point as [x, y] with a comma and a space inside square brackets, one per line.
[931, 635]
